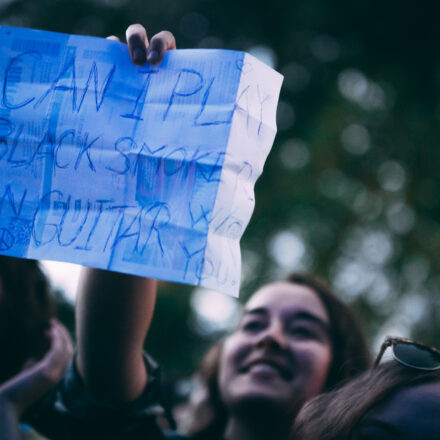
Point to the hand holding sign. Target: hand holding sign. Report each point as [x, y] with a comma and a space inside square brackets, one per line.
[141, 50]
[145, 170]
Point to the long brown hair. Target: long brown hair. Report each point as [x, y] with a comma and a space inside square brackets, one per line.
[25, 312]
[350, 356]
[350, 352]
[333, 415]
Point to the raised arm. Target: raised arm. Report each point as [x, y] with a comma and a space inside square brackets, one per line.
[113, 314]
[27, 387]
[114, 311]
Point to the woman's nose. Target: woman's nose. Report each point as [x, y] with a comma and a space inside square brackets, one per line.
[273, 336]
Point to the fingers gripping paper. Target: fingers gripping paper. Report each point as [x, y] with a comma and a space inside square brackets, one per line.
[144, 170]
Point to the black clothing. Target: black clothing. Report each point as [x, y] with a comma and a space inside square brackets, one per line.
[71, 413]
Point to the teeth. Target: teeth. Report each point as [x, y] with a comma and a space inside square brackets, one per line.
[264, 369]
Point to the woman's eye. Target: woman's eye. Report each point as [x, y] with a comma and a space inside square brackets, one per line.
[303, 332]
[253, 326]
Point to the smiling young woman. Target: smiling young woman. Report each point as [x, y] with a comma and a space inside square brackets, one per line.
[294, 341]
[280, 351]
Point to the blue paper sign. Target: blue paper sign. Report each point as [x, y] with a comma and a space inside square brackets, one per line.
[145, 170]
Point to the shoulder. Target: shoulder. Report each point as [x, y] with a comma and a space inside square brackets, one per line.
[399, 415]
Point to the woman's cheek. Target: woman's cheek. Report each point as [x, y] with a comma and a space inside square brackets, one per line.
[319, 361]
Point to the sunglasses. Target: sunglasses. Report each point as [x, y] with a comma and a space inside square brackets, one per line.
[411, 354]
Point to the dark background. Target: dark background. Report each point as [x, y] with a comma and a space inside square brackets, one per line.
[351, 188]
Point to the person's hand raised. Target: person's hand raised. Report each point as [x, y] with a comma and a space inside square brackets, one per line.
[28, 386]
[141, 50]
[60, 353]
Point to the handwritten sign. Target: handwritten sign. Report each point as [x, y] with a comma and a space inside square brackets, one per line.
[144, 170]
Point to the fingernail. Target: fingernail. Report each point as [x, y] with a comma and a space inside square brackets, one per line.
[138, 55]
[153, 56]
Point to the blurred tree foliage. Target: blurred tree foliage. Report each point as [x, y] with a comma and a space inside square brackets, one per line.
[351, 188]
